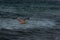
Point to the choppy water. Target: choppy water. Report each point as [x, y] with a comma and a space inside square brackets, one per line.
[43, 24]
[33, 23]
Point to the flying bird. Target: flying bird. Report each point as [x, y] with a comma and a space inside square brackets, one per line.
[22, 20]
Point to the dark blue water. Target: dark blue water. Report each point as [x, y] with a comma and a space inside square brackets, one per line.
[43, 23]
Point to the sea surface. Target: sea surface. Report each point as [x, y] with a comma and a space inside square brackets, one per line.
[43, 22]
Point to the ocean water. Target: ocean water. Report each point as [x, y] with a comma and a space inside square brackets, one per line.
[43, 22]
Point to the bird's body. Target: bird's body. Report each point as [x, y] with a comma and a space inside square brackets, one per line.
[22, 20]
